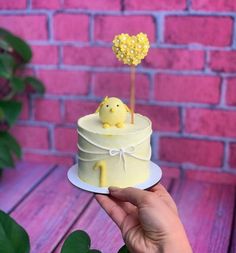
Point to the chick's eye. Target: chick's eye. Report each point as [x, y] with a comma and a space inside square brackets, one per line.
[107, 105]
[117, 105]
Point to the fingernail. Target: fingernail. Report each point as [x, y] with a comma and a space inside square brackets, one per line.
[113, 189]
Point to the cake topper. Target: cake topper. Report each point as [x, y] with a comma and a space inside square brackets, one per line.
[131, 50]
[112, 112]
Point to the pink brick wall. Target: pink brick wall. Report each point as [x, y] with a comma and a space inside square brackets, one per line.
[186, 85]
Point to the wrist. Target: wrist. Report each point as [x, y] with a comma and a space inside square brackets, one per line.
[178, 243]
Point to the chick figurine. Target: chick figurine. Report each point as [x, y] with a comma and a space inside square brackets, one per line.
[112, 112]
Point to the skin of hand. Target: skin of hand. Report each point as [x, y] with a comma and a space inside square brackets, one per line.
[148, 220]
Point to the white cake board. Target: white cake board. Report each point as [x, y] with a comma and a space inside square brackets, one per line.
[154, 178]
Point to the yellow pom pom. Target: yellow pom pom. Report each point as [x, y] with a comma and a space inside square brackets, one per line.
[130, 49]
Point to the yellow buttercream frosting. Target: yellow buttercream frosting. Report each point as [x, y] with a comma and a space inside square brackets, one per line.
[121, 154]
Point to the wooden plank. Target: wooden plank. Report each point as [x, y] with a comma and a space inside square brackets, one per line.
[104, 234]
[233, 234]
[206, 210]
[16, 183]
[50, 210]
[166, 181]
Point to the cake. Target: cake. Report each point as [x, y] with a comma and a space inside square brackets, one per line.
[114, 142]
[112, 151]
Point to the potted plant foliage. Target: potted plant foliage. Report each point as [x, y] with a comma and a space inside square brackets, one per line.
[15, 54]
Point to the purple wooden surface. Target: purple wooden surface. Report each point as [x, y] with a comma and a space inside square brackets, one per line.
[50, 210]
[206, 210]
[166, 181]
[104, 233]
[16, 183]
[233, 239]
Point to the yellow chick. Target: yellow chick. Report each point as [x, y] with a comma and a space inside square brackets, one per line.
[112, 112]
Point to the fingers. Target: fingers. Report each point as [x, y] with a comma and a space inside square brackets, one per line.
[112, 208]
[158, 187]
[161, 191]
[133, 195]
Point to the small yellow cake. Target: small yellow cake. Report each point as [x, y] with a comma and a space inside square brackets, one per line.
[114, 156]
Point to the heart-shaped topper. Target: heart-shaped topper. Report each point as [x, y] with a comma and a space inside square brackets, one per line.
[131, 49]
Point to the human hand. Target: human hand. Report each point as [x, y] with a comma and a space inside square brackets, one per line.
[148, 220]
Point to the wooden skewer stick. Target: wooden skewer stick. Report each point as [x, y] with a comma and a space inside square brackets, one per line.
[132, 92]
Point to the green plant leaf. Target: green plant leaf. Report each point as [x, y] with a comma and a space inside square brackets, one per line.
[11, 110]
[17, 84]
[13, 238]
[6, 159]
[19, 45]
[1, 114]
[4, 45]
[35, 83]
[11, 143]
[123, 249]
[6, 66]
[77, 241]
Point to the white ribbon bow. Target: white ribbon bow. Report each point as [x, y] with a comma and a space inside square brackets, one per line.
[122, 152]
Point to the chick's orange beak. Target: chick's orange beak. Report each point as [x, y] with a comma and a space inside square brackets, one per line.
[112, 110]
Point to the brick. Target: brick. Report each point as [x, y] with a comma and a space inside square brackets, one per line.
[106, 27]
[155, 5]
[30, 27]
[198, 152]
[212, 5]
[223, 61]
[45, 4]
[31, 136]
[47, 110]
[90, 56]
[13, 4]
[179, 30]
[93, 5]
[118, 84]
[66, 139]
[71, 27]
[163, 118]
[63, 82]
[75, 109]
[191, 88]
[232, 155]
[211, 122]
[177, 59]
[217, 177]
[231, 92]
[45, 55]
[59, 159]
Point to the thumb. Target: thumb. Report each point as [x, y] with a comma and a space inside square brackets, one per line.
[133, 195]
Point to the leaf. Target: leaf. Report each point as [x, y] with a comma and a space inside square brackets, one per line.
[17, 84]
[1, 114]
[123, 249]
[11, 110]
[35, 83]
[77, 241]
[13, 238]
[4, 45]
[11, 143]
[19, 45]
[6, 66]
[6, 159]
